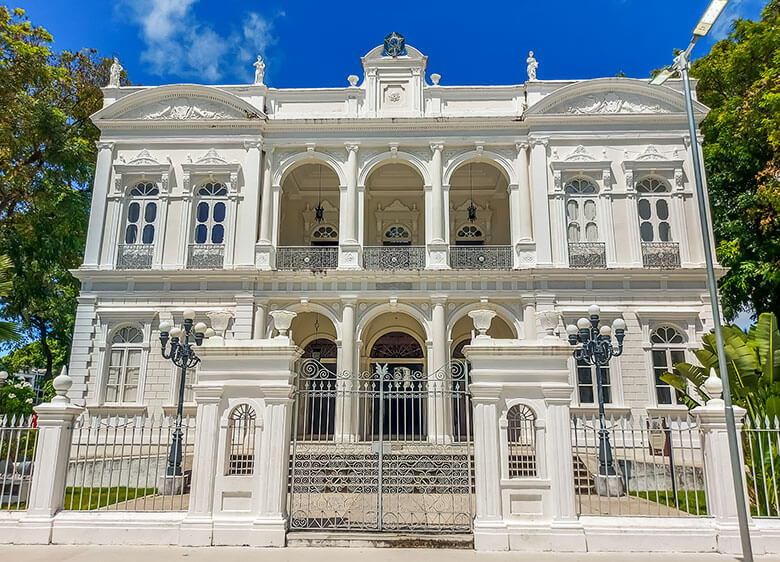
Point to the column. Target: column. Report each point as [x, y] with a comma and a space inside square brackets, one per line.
[346, 400]
[242, 323]
[97, 213]
[529, 321]
[196, 526]
[524, 248]
[248, 211]
[435, 213]
[439, 421]
[541, 212]
[258, 332]
[559, 451]
[264, 245]
[52, 452]
[349, 247]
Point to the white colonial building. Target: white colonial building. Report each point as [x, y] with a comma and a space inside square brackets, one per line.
[391, 216]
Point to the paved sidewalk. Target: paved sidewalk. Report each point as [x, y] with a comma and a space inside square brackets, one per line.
[224, 554]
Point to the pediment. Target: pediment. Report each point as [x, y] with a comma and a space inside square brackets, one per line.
[610, 103]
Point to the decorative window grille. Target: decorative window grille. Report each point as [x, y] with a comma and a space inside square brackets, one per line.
[469, 235]
[586, 383]
[210, 214]
[667, 350]
[241, 429]
[653, 208]
[396, 235]
[521, 441]
[141, 214]
[124, 365]
[324, 235]
[581, 215]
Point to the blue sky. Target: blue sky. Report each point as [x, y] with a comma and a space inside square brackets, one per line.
[315, 44]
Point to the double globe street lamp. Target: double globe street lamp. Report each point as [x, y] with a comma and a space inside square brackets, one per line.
[596, 349]
[182, 355]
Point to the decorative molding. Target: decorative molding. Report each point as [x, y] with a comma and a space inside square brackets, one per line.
[611, 103]
[579, 154]
[212, 166]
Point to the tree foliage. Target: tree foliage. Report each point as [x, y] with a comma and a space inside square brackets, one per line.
[47, 156]
[740, 81]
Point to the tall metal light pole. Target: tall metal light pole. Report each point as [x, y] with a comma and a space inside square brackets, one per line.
[597, 350]
[181, 355]
[682, 65]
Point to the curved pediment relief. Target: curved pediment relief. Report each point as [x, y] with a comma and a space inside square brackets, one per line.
[181, 103]
[612, 96]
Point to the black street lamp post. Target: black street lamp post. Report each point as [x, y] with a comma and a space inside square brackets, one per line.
[597, 350]
[182, 355]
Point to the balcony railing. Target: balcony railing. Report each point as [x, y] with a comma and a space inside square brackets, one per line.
[135, 256]
[661, 255]
[481, 257]
[315, 258]
[206, 256]
[394, 257]
[587, 255]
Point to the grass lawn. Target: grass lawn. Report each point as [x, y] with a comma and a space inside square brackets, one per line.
[695, 504]
[93, 498]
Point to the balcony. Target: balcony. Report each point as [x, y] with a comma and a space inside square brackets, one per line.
[587, 255]
[661, 255]
[135, 256]
[394, 257]
[314, 258]
[206, 256]
[481, 257]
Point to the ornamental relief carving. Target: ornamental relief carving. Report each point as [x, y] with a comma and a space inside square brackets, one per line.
[611, 103]
[183, 109]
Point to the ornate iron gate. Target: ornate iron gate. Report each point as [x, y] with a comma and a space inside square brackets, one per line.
[387, 450]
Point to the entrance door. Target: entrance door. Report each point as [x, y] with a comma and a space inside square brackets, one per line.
[397, 459]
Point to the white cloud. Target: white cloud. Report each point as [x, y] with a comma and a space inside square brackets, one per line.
[177, 43]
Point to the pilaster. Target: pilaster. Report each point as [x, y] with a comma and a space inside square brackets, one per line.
[97, 213]
[248, 208]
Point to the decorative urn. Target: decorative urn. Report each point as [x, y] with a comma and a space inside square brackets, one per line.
[482, 320]
[282, 321]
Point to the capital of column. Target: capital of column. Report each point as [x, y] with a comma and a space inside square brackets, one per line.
[350, 301]
[536, 141]
[522, 145]
[105, 145]
[438, 300]
[352, 146]
[437, 147]
[258, 144]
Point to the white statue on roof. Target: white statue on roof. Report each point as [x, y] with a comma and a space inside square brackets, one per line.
[532, 65]
[114, 74]
[259, 71]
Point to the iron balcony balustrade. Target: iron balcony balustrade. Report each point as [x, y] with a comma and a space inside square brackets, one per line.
[661, 255]
[206, 256]
[587, 255]
[135, 256]
[481, 257]
[313, 258]
[394, 257]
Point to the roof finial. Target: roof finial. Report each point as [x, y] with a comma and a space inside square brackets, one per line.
[532, 65]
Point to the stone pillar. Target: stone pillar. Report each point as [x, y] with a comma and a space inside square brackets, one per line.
[97, 213]
[264, 258]
[346, 402]
[718, 482]
[242, 323]
[541, 213]
[524, 248]
[559, 452]
[196, 526]
[258, 331]
[52, 452]
[439, 411]
[349, 246]
[435, 213]
[248, 209]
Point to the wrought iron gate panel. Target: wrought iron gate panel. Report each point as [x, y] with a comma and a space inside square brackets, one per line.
[386, 450]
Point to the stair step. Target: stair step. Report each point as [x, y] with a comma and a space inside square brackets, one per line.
[378, 540]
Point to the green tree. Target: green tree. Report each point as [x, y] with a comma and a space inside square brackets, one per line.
[47, 156]
[31, 356]
[740, 81]
[7, 329]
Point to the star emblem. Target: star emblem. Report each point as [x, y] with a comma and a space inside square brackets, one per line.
[395, 45]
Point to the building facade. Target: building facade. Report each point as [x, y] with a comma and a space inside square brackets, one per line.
[382, 213]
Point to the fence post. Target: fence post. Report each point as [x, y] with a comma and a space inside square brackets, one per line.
[719, 485]
[52, 452]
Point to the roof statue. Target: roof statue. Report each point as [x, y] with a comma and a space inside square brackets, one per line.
[259, 71]
[395, 45]
[115, 73]
[532, 65]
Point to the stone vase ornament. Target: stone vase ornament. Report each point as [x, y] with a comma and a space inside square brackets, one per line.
[482, 320]
[548, 320]
[219, 321]
[282, 321]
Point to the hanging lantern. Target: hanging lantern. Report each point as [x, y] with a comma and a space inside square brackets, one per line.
[319, 212]
[472, 209]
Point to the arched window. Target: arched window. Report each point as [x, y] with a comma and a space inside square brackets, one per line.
[581, 215]
[469, 235]
[668, 348]
[141, 214]
[521, 441]
[325, 235]
[124, 366]
[210, 214]
[653, 206]
[241, 432]
[397, 235]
